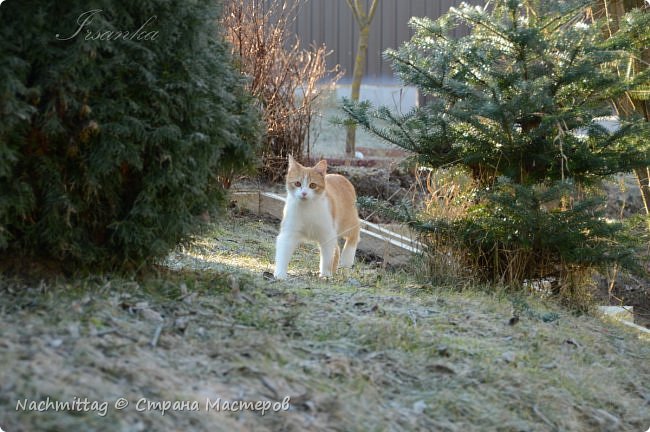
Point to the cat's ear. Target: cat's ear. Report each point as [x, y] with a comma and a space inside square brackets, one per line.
[321, 167]
[292, 162]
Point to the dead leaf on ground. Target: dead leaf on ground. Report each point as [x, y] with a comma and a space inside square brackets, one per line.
[441, 368]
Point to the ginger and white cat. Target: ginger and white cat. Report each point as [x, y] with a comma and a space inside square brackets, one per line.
[320, 207]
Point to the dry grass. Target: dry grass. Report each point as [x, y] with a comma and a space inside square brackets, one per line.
[368, 350]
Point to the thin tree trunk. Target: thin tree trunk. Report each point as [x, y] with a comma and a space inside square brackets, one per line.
[643, 177]
[364, 21]
[357, 76]
[614, 11]
[643, 174]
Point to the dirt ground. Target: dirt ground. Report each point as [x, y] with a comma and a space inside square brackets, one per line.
[367, 350]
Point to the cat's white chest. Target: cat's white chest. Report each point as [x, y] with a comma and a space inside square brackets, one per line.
[310, 220]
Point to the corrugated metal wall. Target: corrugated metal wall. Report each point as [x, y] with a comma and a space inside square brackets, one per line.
[331, 22]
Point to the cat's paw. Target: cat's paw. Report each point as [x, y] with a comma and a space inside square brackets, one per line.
[279, 275]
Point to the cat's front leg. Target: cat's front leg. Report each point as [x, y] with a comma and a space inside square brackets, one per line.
[285, 245]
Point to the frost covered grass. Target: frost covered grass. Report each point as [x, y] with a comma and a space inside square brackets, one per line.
[367, 350]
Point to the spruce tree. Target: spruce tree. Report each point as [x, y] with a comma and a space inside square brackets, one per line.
[514, 104]
[111, 143]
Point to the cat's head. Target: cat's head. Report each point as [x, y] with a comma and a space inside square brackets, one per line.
[304, 183]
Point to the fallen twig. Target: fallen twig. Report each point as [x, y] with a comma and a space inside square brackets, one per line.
[156, 336]
[544, 418]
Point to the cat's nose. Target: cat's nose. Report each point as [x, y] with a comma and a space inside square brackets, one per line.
[304, 194]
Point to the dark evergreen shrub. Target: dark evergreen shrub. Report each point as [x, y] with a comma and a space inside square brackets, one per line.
[111, 143]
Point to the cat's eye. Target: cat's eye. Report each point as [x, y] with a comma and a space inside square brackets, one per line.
[312, 185]
[297, 184]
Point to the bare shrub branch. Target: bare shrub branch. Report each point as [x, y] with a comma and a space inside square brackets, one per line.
[285, 77]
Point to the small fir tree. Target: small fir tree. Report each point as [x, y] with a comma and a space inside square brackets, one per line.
[514, 104]
[111, 143]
